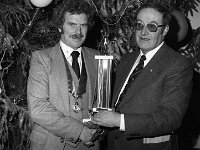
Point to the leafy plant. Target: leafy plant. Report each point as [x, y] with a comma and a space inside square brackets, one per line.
[25, 28]
[118, 22]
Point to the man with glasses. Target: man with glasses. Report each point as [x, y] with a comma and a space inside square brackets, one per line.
[152, 88]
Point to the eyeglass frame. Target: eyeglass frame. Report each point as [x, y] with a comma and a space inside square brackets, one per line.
[156, 25]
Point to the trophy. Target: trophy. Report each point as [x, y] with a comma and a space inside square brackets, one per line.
[103, 82]
[103, 90]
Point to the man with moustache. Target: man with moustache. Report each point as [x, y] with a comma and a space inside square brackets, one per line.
[152, 90]
[59, 94]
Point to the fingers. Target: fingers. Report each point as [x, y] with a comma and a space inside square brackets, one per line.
[94, 135]
[93, 131]
[88, 143]
[99, 115]
[96, 120]
[86, 134]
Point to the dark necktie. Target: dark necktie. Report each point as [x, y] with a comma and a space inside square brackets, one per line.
[132, 77]
[75, 64]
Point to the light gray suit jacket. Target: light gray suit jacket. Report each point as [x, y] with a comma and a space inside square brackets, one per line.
[50, 104]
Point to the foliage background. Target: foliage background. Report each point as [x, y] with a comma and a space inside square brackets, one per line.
[25, 28]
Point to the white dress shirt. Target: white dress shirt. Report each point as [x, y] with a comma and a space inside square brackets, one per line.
[149, 56]
[67, 52]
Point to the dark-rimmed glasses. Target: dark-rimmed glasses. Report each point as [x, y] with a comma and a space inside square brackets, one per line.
[152, 27]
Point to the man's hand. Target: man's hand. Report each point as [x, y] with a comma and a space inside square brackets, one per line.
[99, 130]
[106, 118]
[86, 136]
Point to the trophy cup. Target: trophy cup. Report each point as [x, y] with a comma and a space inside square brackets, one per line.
[103, 90]
[103, 82]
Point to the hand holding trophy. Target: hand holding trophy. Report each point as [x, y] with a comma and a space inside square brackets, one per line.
[103, 92]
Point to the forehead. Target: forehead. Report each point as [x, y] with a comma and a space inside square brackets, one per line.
[149, 15]
[76, 18]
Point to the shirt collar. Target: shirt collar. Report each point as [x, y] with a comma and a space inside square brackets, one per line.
[68, 50]
[151, 53]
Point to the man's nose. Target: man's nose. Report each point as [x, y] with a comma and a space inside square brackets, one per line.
[145, 30]
[78, 29]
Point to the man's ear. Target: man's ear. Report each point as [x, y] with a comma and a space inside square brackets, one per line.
[165, 30]
[61, 30]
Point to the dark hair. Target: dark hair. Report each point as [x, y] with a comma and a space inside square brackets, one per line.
[160, 8]
[73, 7]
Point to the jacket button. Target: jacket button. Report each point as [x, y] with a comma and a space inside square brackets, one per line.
[61, 140]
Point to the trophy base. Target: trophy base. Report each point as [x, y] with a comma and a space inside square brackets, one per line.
[95, 110]
[100, 108]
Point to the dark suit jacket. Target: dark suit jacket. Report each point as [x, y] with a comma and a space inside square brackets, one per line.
[155, 103]
[50, 102]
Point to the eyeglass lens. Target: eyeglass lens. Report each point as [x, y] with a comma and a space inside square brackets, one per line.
[151, 27]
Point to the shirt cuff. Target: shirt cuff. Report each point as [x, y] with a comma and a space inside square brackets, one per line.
[122, 123]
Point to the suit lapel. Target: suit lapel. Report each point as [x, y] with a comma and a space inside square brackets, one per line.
[146, 77]
[59, 74]
[91, 69]
[122, 75]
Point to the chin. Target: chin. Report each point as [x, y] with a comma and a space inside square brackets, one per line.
[76, 46]
[143, 47]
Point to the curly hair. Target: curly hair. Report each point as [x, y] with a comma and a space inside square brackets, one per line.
[73, 7]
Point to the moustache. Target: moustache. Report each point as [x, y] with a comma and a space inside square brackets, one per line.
[77, 36]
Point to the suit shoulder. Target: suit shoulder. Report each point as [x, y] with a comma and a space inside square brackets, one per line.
[45, 53]
[177, 56]
[173, 58]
